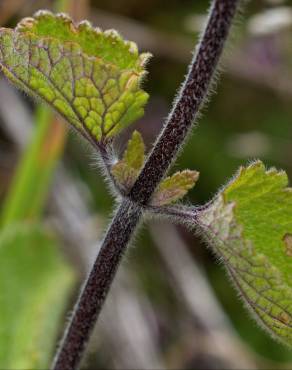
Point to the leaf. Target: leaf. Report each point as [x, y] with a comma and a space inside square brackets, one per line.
[35, 284]
[249, 225]
[174, 187]
[92, 78]
[128, 168]
[134, 155]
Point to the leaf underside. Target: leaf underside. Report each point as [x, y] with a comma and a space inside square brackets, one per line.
[92, 78]
[249, 225]
[174, 187]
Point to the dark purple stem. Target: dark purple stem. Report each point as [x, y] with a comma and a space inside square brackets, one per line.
[189, 102]
[129, 213]
[96, 287]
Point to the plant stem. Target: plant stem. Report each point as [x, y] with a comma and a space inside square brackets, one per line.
[105, 150]
[179, 213]
[129, 213]
[190, 99]
[97, 285]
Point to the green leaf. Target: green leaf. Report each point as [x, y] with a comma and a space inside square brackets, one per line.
[92, 78]
[174, 187]
[128, 168]
[249, 224]
[134, 155]
[35, 284]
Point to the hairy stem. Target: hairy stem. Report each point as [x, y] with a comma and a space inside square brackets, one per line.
[129, 213]
[97, 285]
[106, 155]
[177, 213]
[189, 102]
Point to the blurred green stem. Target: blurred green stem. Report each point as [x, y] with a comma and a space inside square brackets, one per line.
[29, 188]
[33, 175]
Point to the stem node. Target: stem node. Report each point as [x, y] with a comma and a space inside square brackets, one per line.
[128, 216]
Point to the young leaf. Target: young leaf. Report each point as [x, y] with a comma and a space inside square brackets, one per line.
[249, 225]
[92, 78]
[35, 284]
[128, 168]
[134, 154]
[174, 187]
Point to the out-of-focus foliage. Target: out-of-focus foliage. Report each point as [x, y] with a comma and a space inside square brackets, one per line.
[34, 286]
[27, 198]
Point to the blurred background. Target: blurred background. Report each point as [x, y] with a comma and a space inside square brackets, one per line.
[171, 305]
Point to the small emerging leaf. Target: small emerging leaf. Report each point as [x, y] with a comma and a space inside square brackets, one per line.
[92, 78]
[128, 168]
[134, 155]
[249, 225]
[174, 187]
